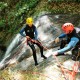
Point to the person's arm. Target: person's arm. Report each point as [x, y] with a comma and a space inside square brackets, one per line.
[59, 37]
[36, 33]
[71, 44]
[22, 32]
[62, 35]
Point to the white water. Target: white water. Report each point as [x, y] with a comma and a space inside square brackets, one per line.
[13, 44]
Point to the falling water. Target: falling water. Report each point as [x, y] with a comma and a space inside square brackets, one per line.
[11, 47]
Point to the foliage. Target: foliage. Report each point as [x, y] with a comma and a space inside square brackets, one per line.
[14, 12]
[3, 5]
[2, 24]
[63, 0]
[13, 17]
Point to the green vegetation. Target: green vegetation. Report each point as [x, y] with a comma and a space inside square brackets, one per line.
[21, 75]
[64, 0]
[14, 12]
[3, 5]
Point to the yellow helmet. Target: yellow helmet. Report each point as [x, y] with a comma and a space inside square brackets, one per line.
[29, 21]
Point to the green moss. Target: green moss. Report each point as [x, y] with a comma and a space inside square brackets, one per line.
[3, 5]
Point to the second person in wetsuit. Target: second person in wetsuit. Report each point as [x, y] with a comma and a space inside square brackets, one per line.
[72, 36]
[31, 35]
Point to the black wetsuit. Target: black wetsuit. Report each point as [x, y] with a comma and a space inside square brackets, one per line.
[76, 47]
[29, 31]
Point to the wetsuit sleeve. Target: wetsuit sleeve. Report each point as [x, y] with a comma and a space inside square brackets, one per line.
[22, 32]
[71, 44]
[62, 35]
[36, 33]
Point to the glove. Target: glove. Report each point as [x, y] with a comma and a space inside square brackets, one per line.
[55, 53]
[27, 37]
[50, 52]
[56, 40]
[34, 41]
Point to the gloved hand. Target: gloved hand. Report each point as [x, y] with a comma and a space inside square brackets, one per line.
[50, 52]
[27, 37]
[56, 40]
[55, 53]
[34, 41]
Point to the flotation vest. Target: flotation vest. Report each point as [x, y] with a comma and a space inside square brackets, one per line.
[30, 31]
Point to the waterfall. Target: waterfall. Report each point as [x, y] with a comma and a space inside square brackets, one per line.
[11, 47]
[13, 44]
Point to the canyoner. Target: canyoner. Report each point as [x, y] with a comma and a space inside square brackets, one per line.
[71, 37]
[31, 34]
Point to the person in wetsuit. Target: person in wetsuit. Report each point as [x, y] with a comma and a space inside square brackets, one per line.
[72, 39]
[31, 34]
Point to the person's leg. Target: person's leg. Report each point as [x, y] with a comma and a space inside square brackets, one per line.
[75, 54]
[34, 52]
[41, 49]
[63, 43]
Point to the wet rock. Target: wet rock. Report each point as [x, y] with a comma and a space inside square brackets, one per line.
[2, 47]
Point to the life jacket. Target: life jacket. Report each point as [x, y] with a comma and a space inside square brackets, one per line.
[30, 31]
[75, 33]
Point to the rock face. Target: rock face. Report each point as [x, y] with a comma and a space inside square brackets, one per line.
[48, 28]
[69, 64]
[2, 47]
[2, 51]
